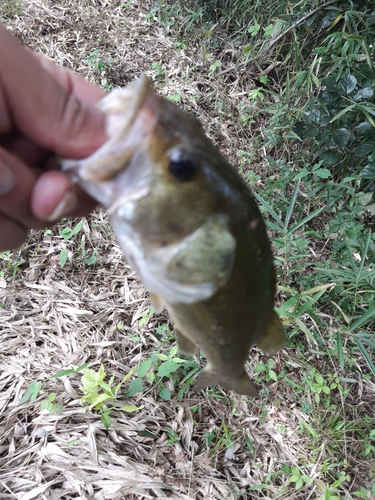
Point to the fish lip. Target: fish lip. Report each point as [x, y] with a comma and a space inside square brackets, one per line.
[132, 97]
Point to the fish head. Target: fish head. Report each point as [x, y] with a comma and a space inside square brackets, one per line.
[159, 178]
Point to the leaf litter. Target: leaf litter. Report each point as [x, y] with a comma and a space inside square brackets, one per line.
[54, 318]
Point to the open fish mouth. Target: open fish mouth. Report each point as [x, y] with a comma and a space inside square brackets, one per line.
[133, 124]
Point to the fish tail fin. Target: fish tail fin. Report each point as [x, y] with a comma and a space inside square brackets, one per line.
[274, 337]
[241, 384]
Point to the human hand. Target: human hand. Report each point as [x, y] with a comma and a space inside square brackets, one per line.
[44, 110]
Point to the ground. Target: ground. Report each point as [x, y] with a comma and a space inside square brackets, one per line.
[172, 442]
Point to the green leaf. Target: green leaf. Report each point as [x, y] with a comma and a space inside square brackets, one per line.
[365, 318]
[144, 368]
[340, 353]
[269, 209]
[174, 98]
[131, 408]
[365, 354]
[365, 93]
[63, 258]
[91, 379]
[173, 351]
[258, 487]
[328, 97]
[368, 172]
[344, 111]
[106, 419]
[66, 233]
[299, 483]
[165, 394]
[305, 220]
[364, 127]
[348, 84]
[135, 386]
[78, 227]
[329, 158]
[163, 357]
[319, 378]
[96, 400]
[31, 393]
[291, 205]
[47, 405]
[91, 260]
[365, 148]
[341, 137]
[64, 372]
[323, 173]
[330, 84]
[167, 368]
[272, 375]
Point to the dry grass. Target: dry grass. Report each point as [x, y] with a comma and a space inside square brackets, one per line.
[52, 319]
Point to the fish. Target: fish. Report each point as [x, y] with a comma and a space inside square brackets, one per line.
[190, 227]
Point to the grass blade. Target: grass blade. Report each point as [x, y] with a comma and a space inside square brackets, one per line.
[365, 354]
[368, 316]
[269, 209]
[291, 206]
[364, 255]
[340, 352]
[305, 220]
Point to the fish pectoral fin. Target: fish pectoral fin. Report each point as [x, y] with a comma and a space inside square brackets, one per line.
[241, 384]
[185, 345]
[274, 337]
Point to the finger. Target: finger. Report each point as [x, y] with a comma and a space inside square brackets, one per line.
[16, 185]
[70, 81]
[46, 111]
[25, 149]
[12, 234]
[55, 196]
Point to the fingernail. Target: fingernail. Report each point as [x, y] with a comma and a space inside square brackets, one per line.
[65, 207]
[6, 179]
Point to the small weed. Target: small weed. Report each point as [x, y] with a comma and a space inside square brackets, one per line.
[159, 366]
[100, 65]
[297, 477]
[11, 262]
[215, 66]
[160, 72]
[101, 396]
[67, 255]
[34, 390]
[98, 395]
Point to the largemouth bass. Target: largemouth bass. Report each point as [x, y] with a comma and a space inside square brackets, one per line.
[189, 225]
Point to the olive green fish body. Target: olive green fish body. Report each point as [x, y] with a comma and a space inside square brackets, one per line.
[226, 325]
[190, 226]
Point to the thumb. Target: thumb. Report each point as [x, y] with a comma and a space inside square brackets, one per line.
[39, 102]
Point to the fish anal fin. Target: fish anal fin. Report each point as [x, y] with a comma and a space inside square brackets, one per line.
[157, 303]
[274, 337]
[241, 384]
[185, 345]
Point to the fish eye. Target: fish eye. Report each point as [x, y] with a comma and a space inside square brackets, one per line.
[182, 165]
